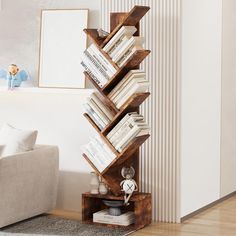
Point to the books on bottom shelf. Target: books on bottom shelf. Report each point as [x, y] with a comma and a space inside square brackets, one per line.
[133, 82]
[132, 125]
[97, 65]
[97, 111]
[124, 219]
[99, 153]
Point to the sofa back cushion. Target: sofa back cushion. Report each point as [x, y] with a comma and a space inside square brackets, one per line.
[14, 140]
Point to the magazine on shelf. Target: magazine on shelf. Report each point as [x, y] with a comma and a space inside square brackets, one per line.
[117, 38]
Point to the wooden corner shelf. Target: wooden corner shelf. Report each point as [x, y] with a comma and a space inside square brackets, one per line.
[111, 175]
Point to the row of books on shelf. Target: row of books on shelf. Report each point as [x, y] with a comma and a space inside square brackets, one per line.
[133, 82]
[99, 153]
[97, 111]
[97, 65]
[131, 126]
[123, 45]
[120, 48]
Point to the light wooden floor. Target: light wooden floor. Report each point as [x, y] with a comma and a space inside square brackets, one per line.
[219, 220]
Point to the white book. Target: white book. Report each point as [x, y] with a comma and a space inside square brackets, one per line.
[92, 75]
[111, 154]
[133, 41]
[89, 109]
[101, 79]
[128, 86]
[126, 127]
[98, 61]
[91, 115]
[102, 151]
[138, 88]
[124, 30]
[121, 62]
[115, 222]
[131, 73]
[92, 159]
[119, 46]
[101, 69]
[141, 133]
[103, 59]
[98, 156]
[135, 115]
[128, 137]
[98, 111]
[106, 111]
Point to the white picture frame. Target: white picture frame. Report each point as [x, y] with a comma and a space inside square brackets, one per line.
[62, 43]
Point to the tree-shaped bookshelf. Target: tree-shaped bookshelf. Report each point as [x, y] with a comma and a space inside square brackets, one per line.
[111, 175]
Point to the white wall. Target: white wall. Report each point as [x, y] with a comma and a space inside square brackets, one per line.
[201, 103]
[228, 129]
[58, 117]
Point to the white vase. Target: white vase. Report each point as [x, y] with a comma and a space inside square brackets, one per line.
[103, 189]
[94, 183]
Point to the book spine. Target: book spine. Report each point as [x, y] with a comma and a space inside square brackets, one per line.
[134, 115]
[101, 106]
[136, 89]
[106, 148]
[118, 46]
[92, 111]
[97, 77]
[97, 65]
[126, 140]
[103, 59]
[98, 111]
[90, 114]
[99, 62]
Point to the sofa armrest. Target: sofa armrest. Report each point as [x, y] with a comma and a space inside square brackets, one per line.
[28, 184]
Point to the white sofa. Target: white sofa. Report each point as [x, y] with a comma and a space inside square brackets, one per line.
[28, 184]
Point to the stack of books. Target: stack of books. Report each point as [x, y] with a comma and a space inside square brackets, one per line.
[124, 219]
[131, 126]
[97, 65]
[97, 111]
[99, 153]
[133, 82]
[123, 45]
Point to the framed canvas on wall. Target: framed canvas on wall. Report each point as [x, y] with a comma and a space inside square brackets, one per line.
[62, 43]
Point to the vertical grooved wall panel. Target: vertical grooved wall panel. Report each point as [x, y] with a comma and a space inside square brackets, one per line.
[159, 160]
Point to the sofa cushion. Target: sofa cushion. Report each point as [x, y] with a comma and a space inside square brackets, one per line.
[14, 140]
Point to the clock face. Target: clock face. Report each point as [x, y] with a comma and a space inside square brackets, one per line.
[128, 186]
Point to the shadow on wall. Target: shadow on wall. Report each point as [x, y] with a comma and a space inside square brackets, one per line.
[70, 188]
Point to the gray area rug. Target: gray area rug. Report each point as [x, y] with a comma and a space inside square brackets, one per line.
[50, 225]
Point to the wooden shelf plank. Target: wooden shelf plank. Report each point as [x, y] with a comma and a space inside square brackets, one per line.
[94, 37]
[132, 18]
[131, 105]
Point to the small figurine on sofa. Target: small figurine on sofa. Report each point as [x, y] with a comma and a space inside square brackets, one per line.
[14, 76]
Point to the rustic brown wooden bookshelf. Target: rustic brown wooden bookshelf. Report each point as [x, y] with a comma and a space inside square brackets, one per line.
[130, 156]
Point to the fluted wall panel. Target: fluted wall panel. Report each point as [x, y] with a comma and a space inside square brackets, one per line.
[159, 160]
